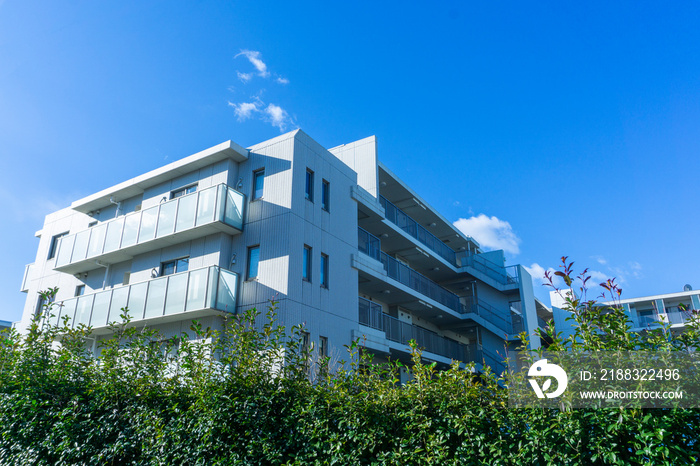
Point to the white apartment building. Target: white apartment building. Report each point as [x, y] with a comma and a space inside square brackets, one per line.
[341, 243]
[644, 313]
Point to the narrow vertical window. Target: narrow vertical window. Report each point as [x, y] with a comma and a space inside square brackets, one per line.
[309, 185]
[325, 196]
[258, 184]
[323, 346]
[54, 245]
[324, 270]
[306, 264]
[79, 290]
[253, 260]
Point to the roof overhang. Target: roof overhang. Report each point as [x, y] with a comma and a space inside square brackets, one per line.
[136, 186]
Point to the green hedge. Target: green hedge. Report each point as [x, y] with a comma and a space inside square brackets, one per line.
[228, 400]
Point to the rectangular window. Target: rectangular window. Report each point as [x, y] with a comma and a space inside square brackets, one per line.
[258, 184]
[92, 224]
[253, 260]
[306, 264]
[54, 245]
[174, 266]
[323, 347]
[309, 185]
[42, 303]
[326, 196]
[183, 191]
[305, 342]
[324, 270]
[126, 278]
[79, 290]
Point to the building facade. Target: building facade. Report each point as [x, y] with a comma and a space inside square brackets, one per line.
[333, 236]
[643, 313]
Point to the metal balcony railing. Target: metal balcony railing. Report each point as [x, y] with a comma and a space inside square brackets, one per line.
[494, 316]
[414, 280]
[371, 315]
[504, 275]
[370, 245]
[219, 203]
[205, 288]
[402, 220]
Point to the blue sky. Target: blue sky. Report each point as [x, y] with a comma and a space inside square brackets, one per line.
[545, 129]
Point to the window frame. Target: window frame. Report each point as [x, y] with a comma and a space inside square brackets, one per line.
[79, 290]
[187, 189]
[258, 174]
[322, 346]
[309, 186]
[249, 262]
[53, 247]
[306, 263]
[323, 270]
[176, 266]
[326, 195]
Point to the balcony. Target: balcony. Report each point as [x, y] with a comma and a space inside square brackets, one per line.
[508, 324]
[192, 294]
[370, 245]
[371, 315]
[416, 230]
[211, 210]
[503, 275]
[673, 317]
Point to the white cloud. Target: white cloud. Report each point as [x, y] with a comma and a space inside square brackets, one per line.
[253, 57]
[273, 114]
[282, 80]
[244, 110]
[278, 116]
[597, 278]
[537, 272]
[600, 259]
[490, 232]
[245, 77]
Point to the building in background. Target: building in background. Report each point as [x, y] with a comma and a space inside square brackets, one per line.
[644, 313]
[340, 242]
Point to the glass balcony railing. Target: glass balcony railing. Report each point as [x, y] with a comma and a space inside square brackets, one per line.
[194, 290]
[399, 218]
[673, 317]
[371, 315]
[215, 204]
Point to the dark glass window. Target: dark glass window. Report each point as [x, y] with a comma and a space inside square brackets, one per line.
[258, 184]
[253, 260]
[174, 266]
[326, 196]
[309, 185]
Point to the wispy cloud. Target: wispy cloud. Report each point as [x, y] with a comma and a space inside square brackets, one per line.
[278, 116]
[254, 107]
[245, 77]
[273, 114]
[253, 57]
[600, 259]
[537, 272]
[490, 232]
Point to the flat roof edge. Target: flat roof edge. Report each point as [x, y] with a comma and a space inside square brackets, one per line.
[137, 185]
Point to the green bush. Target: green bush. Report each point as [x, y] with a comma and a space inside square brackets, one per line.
[243, 396]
